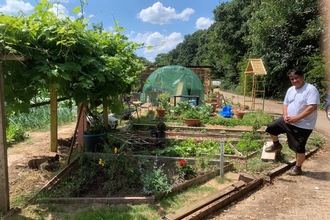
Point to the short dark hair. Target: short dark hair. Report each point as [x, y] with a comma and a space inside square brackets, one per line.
[295, 71]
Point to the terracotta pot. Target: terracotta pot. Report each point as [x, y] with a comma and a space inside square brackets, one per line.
[239, 114]
[192, 121]
[160, 112]
[213, 104]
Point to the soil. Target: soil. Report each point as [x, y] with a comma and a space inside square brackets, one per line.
[22, 179]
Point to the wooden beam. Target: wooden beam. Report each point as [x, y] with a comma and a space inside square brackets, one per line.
[12, 57]
[53, 119]
[4, 183]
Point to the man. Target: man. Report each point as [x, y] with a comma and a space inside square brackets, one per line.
[299, 118]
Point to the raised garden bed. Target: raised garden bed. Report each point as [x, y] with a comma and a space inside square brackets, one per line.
[91, 190]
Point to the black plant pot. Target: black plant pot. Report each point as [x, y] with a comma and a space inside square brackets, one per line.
[161, 134]
[94, 142]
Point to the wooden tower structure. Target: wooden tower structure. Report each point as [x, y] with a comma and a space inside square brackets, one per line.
[254, 83]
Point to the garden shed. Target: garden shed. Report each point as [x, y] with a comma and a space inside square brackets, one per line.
[180, 82]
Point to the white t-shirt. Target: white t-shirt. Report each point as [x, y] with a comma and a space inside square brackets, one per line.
[297, 101]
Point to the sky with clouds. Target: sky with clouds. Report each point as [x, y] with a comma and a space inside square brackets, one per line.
[161, 24]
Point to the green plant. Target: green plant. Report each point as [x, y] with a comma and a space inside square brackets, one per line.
[192, 113]
[81, 62]
[164, 101]
[161, 126]
[14, 132]
[155, 181]
[315, 140]
[95, 125]
[186, 170]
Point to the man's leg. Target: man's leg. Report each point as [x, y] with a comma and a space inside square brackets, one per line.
[276, 146]
[300, 158]
[296, 170]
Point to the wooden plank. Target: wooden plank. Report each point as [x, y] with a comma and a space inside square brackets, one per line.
[12, 57]
[109, 200]
[4, 182]
[183, 212]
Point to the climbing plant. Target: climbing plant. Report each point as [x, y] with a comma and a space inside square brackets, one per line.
[86, 65]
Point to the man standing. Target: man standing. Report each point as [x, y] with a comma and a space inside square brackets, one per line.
[299, 118]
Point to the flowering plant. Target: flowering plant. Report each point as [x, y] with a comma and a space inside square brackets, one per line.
[186, 170]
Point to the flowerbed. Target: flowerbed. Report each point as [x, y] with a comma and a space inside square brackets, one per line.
[126, 175]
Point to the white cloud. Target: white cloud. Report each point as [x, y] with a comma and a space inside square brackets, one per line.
[203, 23]
[15, 6]
[160, 43]
[158, 14]
[59, 10]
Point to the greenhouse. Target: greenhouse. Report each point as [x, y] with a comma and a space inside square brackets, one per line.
[180, 82]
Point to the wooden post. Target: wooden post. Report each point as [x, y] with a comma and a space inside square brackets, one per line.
[53, 119]
[82, 125]
[4, 183]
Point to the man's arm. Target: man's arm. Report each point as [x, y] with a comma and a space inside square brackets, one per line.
[309, 110]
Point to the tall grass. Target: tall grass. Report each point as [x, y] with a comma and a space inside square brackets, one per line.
[39, 117]
[36, 119]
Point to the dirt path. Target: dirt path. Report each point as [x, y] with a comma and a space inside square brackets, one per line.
[22, 179]
[302, 197]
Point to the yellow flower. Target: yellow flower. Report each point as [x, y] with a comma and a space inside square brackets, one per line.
[115, 150]
[101, 162]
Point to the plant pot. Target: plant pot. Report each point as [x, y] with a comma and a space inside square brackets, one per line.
[94, 142]
[192, 121]
[213, 104]
[239, 114]
[161, 134]
[160, 112]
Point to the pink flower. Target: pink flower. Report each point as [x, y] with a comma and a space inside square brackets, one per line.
[182, 162]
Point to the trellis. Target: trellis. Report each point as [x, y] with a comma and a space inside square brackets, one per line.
[254, 83]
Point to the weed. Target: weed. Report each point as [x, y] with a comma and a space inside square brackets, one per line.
[315, 140]
[155, 180]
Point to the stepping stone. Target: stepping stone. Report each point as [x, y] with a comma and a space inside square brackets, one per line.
[268, 156]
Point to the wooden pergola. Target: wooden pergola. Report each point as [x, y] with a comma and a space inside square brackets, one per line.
[254, 83]
[4, 182]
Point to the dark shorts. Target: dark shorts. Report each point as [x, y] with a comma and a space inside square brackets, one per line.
[297, 137]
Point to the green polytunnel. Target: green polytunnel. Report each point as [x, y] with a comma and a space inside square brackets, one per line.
[176, 80]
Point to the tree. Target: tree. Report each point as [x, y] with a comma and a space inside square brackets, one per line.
[285, 33]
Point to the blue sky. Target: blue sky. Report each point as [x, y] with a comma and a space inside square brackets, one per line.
[161, 24]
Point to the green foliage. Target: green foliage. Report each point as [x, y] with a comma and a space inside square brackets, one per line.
[39, 117]
[155, 180]
[80, 63]
[14, 132]
[164, 99]
[181, 107]
[286, 34]
[111, 175]
[192, 113]
[96, 126]
[316, 140]
[186, 170]
[161, 126]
